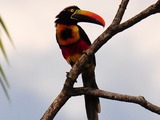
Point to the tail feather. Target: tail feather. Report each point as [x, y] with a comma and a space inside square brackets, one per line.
[92, 103]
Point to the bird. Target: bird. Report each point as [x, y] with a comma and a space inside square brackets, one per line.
[73, 42]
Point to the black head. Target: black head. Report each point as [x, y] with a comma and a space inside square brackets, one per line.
[65, 15]
[72, 15]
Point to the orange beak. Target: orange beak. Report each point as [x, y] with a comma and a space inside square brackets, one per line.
[87, 16]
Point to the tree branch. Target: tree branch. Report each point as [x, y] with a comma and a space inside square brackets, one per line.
[113, 29]
[56, 105]
[120, 12]
[115, 96]
[153, 9]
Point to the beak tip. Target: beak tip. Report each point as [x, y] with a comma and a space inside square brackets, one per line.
[103, 24]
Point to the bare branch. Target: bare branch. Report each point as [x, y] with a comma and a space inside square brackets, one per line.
[119, 97]
[120, 12]
[56, 105]
[153, 9]
[114, 29]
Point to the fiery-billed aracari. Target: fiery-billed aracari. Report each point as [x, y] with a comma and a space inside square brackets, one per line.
[73, 41]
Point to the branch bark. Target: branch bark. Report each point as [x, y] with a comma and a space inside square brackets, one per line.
[116, 96]
[113, 29]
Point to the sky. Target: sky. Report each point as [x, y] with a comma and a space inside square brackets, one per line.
[127, 64]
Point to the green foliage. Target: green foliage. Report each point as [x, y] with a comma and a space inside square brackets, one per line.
[3, 80]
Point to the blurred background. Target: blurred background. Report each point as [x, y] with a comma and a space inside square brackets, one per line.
[127, 64]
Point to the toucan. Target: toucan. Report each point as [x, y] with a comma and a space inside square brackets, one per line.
[73, 41]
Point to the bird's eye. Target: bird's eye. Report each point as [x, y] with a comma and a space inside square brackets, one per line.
[71, 10]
